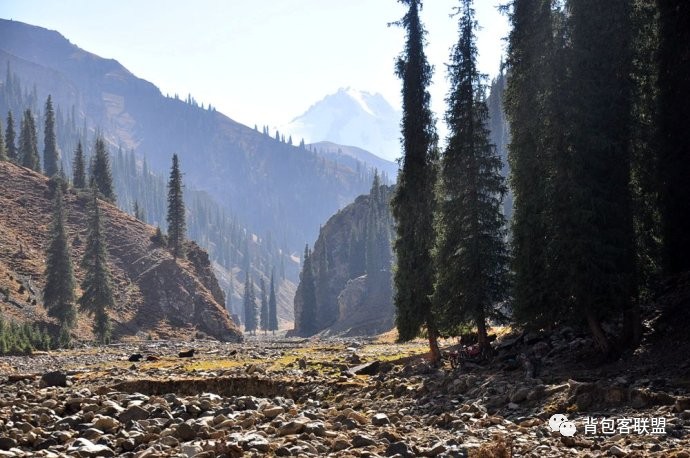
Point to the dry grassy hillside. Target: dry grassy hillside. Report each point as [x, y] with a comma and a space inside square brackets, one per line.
[154, 295]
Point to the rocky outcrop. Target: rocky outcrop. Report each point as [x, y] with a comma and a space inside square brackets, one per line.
[365, 307]
[154, 294]
[351, 262]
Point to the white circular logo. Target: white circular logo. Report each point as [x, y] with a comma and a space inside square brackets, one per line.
[556, 420]
[568, 428]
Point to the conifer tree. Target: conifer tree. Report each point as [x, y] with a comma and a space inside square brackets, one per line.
[674, 135]
[50, 152]
[138, 211]
[413, 202]
[530, 60]
[101, 174]
[79, 168]
[177, 227]
[595, 234]
[645, 183]
[58, 294]
[10, 140]
[28, 143]
[471, 256]
[3, 150]
[250, 309]
[97, 297]
[264, 307]
[307, 283]
[272, 308]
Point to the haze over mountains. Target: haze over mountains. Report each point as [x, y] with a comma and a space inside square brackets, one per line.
[279, 192]
[272, 186]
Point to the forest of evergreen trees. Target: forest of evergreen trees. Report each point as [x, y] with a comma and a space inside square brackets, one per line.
[598, 170]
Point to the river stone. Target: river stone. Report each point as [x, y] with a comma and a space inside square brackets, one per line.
[190, 450]
[272, 411]
[185, 432]
[133, 413]
[361, 440]
[7, 443]
[293, 427]
[55, 378]
[85, 448]
[380, 419]
[399, 449]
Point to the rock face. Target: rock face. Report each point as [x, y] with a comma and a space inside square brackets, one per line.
[351, 261]
[153, 293]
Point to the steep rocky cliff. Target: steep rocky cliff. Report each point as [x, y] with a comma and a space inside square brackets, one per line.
[351, 261]
[155, 296]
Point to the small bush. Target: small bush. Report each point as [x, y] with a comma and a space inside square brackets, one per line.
[159, 239]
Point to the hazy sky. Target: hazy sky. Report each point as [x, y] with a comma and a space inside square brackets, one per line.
[262, 61]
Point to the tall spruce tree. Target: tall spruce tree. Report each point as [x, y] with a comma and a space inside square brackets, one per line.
[250, 309]
[10, 140]
[530, 61]
[79, 168]
[97, 296]
[601, 252]
[264, 306]
[272, 307]
[139, 211]
[3, 150]
[58, 294]
[177, 226]
[413, 202]
[471, 256]
[674, 135]
[101, 174]
[308, 290]
[28, 143]
[645, 146]
[50, 151]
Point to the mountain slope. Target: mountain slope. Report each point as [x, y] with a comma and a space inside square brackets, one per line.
[272, 186]
[351, 117]
[351, 155]
[154, 294]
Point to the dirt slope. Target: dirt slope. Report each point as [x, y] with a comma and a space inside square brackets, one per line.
[155, 295]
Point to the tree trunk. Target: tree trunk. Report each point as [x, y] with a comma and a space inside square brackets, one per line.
[482, 337]
[632, 326]
[598, 333]
[434, 352]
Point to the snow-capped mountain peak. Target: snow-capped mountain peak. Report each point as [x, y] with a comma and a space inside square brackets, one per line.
[351, 117]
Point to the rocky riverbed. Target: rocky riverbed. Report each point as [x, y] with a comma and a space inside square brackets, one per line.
[358, 398]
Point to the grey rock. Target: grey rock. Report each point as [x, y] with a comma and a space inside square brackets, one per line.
[361, 440]
[380, 419]
[400, 449]
[190, 450]
[55, 378]
[185, 432]
[85, 448]
[133, 413]
[272, 411]
[293, 427]
[617, 451]
[7, 443]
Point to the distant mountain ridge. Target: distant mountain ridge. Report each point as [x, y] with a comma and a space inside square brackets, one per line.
[351, 117]
[272, 186]
[351, 155]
